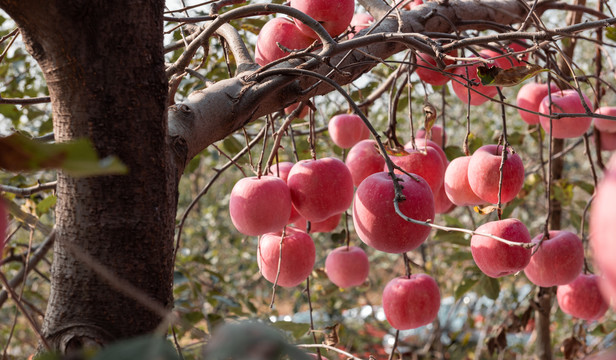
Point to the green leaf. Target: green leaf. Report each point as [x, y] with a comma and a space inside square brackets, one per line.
[297, 330]
[610, 33]
[78, 158]
[141, 348]
[453, 152]
[465, 285]
[44, 205]
[495, 76]
[489, 287]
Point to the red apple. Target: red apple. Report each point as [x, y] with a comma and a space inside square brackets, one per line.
[282, 170]
[603, 228]
[375, 220]
[529, 97]
[497, 259]
[359, 22]
[442, 204]
[347, 266]
[456, 184]
[483, 174]
[437, 135]
[347, 130]
[297, 260]
[425, 162]
[364, 159]
[258, 206]
[278, 30]
[461, 90]
[566, 101]
[412, 302]
[581, 298]
[606, 125]
[289, 109]
[558, 261]
[421, 143]
[429, 72]
[608, 140]
[506, 62]
[327, 225]
[335, 16]
[320, 188]
[411, 4]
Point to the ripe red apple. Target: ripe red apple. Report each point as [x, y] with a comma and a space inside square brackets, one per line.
[558, 261]
[421, 143]
[278, 30]
[425, 162]
[412, 4]
[529, 97]
[606, 125]
[411, 302]
[282, 170]
[359, 22]
[456, 184]
[608, 140]
[581, 298]
[364, 159]
[375, 219]
[483, 174]
[297, 260]
[428, 71]
[603, 228]
[347, 130]
[461, 90]
[347, 266]
[566, 101]
[258, 206]
[506, 62]
[495, 258]
[335, 16]
[327, 225]
[437, 135]
[320, 188]
[289, 109]
[442, 204]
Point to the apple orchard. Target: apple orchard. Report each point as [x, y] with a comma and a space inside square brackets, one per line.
[340, 179]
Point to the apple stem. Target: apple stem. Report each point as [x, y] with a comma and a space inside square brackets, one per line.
[407, 265]
[499, 207]
[312, 136]
[271, 305]
[393, 348]
[346, 229]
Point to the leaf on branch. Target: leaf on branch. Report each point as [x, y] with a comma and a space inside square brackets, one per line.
[78, 158]
[485, 210]
[495, 76]
[610, 33]
[397, 151]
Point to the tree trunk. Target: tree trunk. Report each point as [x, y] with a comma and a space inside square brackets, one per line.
[89, 51]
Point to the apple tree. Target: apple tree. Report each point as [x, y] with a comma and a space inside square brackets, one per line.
[169, 167]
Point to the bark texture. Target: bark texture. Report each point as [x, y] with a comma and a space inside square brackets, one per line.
[103, 63]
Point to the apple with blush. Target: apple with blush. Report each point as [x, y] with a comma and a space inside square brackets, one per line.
[566, 101]
[359, 22]
[442, 204]
[320, 188]
[529, 97]
[606, 125]
[429, 72]
[282, 31]
[297, 259]
[260, 205]
[421, 144]
[375, 219]
[456, 185]
[425, 162]
[582, 298]
[302, 114]
[436, 135]
[495, 258]
[335, 16]
[325, 226]
[484, 174]
[411, 302]
[347, 266]
[558, 261]
[347, 130]
[282, 170]
[363, 160]
[608, 140]
[482, 94]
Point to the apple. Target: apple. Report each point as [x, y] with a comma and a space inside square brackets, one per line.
[347, 130]
[327, 225]
[506, 62]
[374, 217]
[529, 97]
[461, 90]
[558, 261]
[320, 188]
[421, 144]
[425, 66]
[297, 260]
[566, 101]
[347, 266]
[442, 204]
[282, 170]
[364, 159]
[359, 22]
[497, 259]
[335, 16]
[606, 125]
[456, 185]
[411, 4]
[289, 109]
[484, 175]
[581, 298]
[282, 31]
[425, 162]
[608, 140]
[260, 205]
[603, 228]
[412, 302]
[436, 135]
